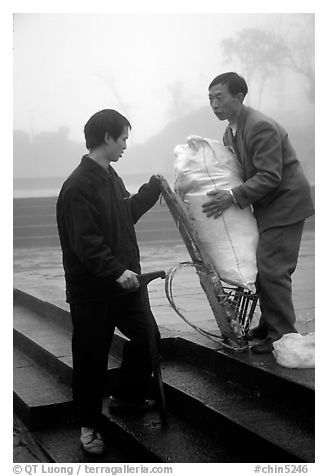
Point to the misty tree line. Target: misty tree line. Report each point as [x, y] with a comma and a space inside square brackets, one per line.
[44, 153]
[261, 55]
[265, 53]
[54, 154]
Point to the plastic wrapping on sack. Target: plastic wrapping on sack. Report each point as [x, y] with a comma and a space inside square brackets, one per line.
[202, 165]
[295, 350]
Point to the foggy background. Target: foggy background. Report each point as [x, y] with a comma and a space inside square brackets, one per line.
[155, 69]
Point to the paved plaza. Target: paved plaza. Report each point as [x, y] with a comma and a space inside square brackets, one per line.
[39, 271]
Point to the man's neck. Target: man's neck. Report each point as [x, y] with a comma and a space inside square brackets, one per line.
[99, 159]
[233, 120]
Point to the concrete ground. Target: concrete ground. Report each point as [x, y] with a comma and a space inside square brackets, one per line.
[40, 271]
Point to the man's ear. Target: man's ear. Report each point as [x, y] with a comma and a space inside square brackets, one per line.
[240, 97]
[108, 138]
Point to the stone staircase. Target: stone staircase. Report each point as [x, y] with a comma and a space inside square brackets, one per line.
[34, 224]
[223, 406]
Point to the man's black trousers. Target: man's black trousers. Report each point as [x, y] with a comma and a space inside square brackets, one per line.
[277, 256]
[93, 328]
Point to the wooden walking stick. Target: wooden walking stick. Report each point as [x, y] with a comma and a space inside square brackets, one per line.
[144, 279]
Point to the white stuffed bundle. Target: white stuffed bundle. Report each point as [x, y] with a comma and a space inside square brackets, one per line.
[295, 350]
[231, 240]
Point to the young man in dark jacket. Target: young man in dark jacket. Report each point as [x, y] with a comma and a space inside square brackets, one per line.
[275, 186]
[95, 218]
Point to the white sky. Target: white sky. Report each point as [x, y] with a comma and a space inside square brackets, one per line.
[61, 60]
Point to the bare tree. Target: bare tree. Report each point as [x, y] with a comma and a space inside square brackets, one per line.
[261, 54]
[109, 80]
[300, 59]
[264, 53]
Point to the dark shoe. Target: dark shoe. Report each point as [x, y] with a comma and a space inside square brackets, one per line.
[263, 347]
[91, 442]
[116, 405]
[257, 333]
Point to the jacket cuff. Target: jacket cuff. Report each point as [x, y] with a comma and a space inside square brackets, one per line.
[119, 270]
[238, 197]
[233, 197]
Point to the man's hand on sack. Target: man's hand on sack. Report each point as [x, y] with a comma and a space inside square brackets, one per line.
[128, 280]
[221, 200]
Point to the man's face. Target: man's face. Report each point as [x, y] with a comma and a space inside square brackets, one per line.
[115, 149]
[224, 105]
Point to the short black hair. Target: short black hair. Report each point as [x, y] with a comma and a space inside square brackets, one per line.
[236, 84]
[102, 122]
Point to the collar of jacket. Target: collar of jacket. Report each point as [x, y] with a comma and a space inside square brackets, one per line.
[97, 169]
[241, 120]
[240, 124]
[237, 140]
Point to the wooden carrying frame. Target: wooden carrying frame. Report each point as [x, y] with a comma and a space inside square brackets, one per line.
[231, 309]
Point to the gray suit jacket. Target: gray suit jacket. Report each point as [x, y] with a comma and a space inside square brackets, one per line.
[274, 182]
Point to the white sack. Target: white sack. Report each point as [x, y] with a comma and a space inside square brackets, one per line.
[231, 240]
[295, 350]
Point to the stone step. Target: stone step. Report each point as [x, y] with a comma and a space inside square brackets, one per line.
[61, 445]
[41, 400]
[53, 240]
[39, 397]
[44, 404]
[36, 242]
[258, 422]
[31, 235]
[137, 438]
[260, 427]
[160, 218]
[177, 441]
[35, 224]
[47, 341]
[143, 230]
[260, 375]
[25, 447]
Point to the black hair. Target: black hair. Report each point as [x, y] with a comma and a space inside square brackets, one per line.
[102, 122]
[236, 84]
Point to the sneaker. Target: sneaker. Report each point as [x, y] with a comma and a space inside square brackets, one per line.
[91, 441]
[115, 404]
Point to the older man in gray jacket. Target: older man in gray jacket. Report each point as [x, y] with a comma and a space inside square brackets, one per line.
[275, 186]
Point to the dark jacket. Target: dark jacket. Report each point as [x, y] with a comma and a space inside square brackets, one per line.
[95, 219]
[274, 182]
